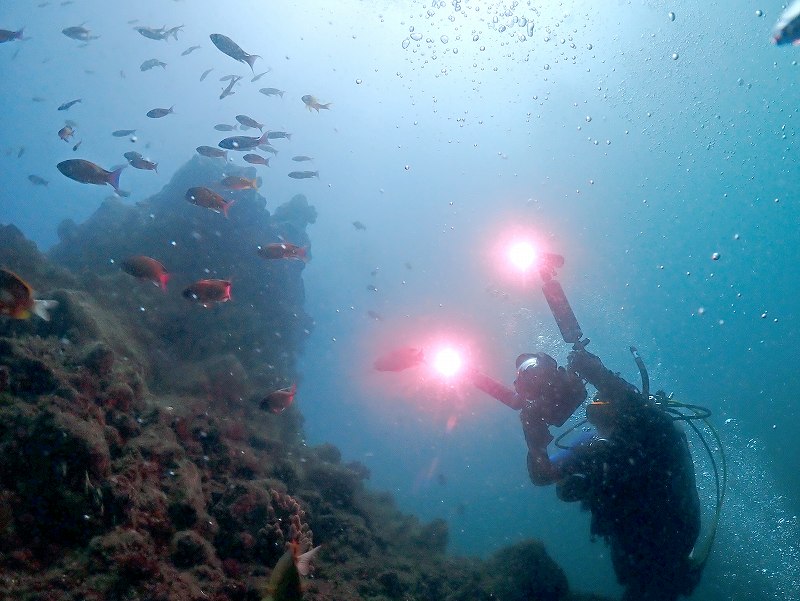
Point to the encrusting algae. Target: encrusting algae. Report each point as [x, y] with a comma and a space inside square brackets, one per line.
[139, 459]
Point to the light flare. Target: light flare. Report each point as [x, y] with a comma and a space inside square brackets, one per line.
[448, 362]
[522, 254]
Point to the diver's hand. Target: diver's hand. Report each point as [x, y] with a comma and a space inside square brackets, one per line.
[587, 365]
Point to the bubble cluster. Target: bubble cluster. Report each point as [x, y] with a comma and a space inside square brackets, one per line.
[497, 24]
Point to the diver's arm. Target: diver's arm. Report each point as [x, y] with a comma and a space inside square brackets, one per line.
[495, 389]
[611, 386]
[541, 470]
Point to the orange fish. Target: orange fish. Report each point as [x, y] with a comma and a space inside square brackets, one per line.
[146, 268]
[399, 359]
[284, 582]
[279, 400]
[234, 182]
[16, 298]
[283, 250]
[208, 199]
[207, 292]
[313, 103]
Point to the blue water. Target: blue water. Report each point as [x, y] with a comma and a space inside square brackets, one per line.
[635, 145]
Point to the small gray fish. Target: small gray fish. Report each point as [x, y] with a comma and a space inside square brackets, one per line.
[211, 152]
[229, 90]
[7, 35]
[303, 174]
[227, 77]
[277, 135]
[272, 92]
[152, 33]
[158, 113]
[149, 64]
[224, 127]
[67, 105]
[132, 155]
[250, 122]
[121, 133]
[255, 159]
[359, 226]
[189, 50]
[300, 158]
[232, 49]
[37, 181]
[205, 73]
[260, 75]
[269, 149]
[80, 33]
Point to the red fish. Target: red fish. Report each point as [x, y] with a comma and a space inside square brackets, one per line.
[16, 298]
[234, 182]
[208, 199]
[86, 172]
[207, 292]
[399, 359]
[283, 250]
[279, 400]
[146, 268]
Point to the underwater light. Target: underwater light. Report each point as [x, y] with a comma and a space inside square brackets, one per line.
[447, 362]
[522, 254]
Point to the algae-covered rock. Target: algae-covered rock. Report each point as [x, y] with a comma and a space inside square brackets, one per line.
[136, 463]
[524, 572]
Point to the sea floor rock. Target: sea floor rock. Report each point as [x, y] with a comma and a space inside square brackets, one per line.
[136, 462]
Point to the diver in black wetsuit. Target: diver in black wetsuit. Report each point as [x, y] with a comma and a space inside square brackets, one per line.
[636, 476]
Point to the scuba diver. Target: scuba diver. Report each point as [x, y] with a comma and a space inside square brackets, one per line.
[635, 474]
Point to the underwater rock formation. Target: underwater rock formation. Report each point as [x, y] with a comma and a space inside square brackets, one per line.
[264, 324]
[136, 461]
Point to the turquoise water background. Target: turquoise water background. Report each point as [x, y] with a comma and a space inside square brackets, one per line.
[635, 144]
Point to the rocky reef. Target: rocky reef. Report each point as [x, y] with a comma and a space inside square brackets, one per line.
[136, 462]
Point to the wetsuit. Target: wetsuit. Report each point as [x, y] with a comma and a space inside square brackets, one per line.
[637, 480]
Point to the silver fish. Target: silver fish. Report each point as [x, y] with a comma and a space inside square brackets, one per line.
[232, 49]
[304, 174]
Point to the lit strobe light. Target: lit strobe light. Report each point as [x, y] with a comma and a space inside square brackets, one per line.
[522, 254]
[447, 362]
